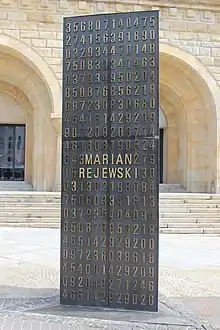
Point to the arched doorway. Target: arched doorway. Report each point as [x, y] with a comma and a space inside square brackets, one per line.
[12, 136]
[190, 137]
[24, 83]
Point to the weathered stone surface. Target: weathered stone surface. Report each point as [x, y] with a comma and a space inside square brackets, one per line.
[44, 311]
[25, 323]
[29, 281]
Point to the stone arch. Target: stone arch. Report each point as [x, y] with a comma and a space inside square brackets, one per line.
[19, 49]
[188, 95]
[162, 119]
[196, 66]
[16, 71]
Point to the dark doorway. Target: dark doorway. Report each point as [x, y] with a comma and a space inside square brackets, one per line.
[161, 155]
[12, 152]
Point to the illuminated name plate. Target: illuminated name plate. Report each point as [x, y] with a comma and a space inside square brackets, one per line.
[109, 216]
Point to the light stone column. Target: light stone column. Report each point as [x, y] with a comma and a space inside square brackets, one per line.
[57, 186]
[56, 120]
[216, 177]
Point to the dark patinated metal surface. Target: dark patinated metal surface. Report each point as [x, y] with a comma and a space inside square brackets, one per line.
[109, 225]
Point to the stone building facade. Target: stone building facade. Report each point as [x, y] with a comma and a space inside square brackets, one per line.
[30, 88]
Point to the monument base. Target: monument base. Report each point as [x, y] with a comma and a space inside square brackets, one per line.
[93, 318]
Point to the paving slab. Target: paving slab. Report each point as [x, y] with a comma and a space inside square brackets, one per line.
[53, 316]
[46, 312]
[29, 286]
[207, 307]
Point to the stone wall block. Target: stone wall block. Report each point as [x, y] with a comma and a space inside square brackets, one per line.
[28, 26]
[56, 67]
[13, 33]
[63, 5]
[24, 3]
[98, 7]
[54, 60]
[217, 16]
[203, 51]
[214, 69]
[170, 35]
[3, 15]
[190, 13]
[59, 36]
[17, 15]
[54, 43]
[119, 7]
[44, 52]
[137, 8]
[216, 61]
[197, 27]
[206, 60]
[207, 15]
[203, 36]
[214, 28]
[215, 37]
[39, 42]
[44, 3]
[82, 5]
[186, 35]
[47, 34]
[164, 26]
[7, 2]
[217, 76]
[177, 26]
[173, 12]
[215, 52]
[28, 41]
[57, 52]
[39, 17]
[29, 34]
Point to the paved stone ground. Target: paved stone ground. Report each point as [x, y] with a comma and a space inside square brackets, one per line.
[29, 280]
[190, 274]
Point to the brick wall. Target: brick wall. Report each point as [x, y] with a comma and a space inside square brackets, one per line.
[38, 23]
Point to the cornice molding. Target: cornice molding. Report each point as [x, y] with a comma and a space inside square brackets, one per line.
[197, 4]
[208, 4]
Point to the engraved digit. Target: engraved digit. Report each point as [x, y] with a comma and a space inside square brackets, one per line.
[134, 299]
[68, 41]
[68, 27]
[127, 300]
[143, 300]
